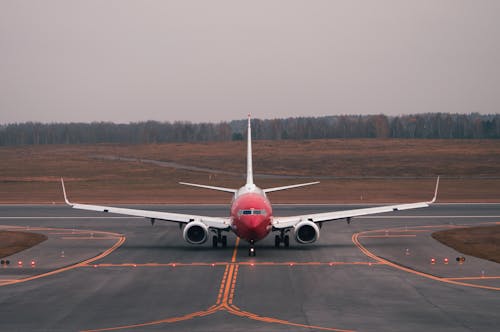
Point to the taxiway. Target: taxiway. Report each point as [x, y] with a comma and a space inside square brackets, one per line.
[101, 272]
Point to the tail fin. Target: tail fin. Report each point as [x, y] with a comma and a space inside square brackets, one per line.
[249, 154]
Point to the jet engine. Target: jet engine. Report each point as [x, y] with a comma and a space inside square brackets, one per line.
[195, 232]
[306, 232]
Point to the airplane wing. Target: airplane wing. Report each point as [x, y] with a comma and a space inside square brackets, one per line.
[288, 222]
[212, 222]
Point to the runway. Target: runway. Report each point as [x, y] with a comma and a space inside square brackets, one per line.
[112, 273]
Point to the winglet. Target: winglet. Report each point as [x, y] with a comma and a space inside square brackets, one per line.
[435, 191]
[64, 192]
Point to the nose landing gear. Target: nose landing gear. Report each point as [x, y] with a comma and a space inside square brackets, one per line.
[251, 249]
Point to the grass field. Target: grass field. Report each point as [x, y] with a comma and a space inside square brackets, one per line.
[13, 242]
[482, 242]
[350, 171]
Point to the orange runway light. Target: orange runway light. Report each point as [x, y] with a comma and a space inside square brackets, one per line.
[446, 260]
[433, 261]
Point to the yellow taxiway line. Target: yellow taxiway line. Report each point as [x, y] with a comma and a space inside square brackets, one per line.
[364, 250]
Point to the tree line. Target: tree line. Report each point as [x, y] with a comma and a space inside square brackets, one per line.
[431, 125]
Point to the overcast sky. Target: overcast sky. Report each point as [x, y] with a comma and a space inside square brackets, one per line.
[213, 60]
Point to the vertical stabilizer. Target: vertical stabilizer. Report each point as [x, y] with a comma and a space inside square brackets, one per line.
[249, 154]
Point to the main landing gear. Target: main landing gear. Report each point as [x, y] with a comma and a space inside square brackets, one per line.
[219, 238]
[251, 249]
[282, 238]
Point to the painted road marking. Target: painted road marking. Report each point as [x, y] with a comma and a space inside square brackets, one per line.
[179, 264]
[120, 240]
[224, 302]
[364, 250]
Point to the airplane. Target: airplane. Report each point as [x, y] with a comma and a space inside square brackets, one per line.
[251, 216]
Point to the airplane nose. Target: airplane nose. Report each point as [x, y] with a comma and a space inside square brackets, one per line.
[253, 227]
[253, 222]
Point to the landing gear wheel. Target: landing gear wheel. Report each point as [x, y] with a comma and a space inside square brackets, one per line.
[224, 241]
[286, 241]
[251, 250]
[214, 241]
[277, 240]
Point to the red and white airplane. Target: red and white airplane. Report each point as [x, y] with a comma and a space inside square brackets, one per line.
[251, 216]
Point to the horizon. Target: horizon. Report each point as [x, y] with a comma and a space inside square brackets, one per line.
[253, 118]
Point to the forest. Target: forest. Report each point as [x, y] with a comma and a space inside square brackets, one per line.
[420, 126]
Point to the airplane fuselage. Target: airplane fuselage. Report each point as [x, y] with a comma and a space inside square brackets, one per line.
[251, 214]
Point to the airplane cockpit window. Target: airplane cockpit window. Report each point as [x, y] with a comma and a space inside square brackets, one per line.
[252, 212]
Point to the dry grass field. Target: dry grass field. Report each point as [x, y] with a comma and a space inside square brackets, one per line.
[13, 242]
[482, 242]
[350, 171]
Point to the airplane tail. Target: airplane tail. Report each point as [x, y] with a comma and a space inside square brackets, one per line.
[249, 154]
[249, 181]
[250, 165]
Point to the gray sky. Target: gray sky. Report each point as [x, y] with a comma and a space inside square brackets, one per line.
[210, 60]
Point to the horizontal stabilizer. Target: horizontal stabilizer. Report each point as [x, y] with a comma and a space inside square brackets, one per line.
[228, 190]
[290, 187]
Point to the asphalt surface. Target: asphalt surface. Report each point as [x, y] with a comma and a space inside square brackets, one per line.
[103, 272]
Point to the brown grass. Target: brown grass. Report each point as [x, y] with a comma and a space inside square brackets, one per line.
[14, 242]
[364, 170]
[482, 242]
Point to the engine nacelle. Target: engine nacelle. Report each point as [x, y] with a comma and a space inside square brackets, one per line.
[306, 232]
[195, 232]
